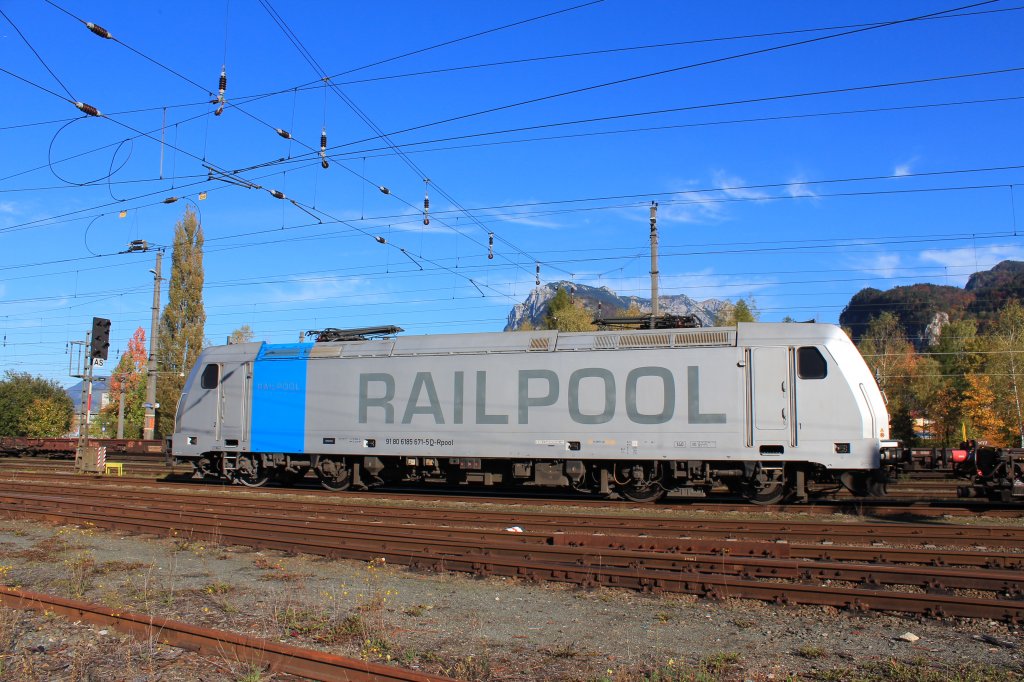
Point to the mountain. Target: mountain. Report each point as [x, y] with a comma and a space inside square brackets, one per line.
[606, 302]
[924, 308]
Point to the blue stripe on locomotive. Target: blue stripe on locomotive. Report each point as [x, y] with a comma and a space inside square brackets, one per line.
[279, 398]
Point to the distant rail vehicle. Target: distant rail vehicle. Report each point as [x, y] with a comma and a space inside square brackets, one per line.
[765, 411]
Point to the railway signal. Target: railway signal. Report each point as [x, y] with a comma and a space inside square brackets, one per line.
[100, 345]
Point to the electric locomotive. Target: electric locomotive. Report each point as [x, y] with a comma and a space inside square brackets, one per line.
[769, 412]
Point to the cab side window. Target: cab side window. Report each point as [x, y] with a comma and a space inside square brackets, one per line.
[211, 376]
[810, 363]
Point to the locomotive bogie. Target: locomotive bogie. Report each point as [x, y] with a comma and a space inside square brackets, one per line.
[768, 411]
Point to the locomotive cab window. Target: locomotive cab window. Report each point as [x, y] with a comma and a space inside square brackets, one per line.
[211, 376]
[810, 363]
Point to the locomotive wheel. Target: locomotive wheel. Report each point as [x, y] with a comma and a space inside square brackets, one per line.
[334, 474]
[767, 487]
[634, 492]
[249, 472]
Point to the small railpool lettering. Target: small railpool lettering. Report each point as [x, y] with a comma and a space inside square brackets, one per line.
[427, 442]
[703, 444]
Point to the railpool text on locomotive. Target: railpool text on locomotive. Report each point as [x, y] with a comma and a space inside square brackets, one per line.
[537, 388]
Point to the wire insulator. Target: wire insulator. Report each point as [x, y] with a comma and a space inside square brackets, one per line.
[323, 148]
[384, 190]
[223, 81]
[381, 240]
[122, 214]
[220, 110]
[490, 246]
[170, 200]
[283, 133]
[98, 30]
[88, 109]
[276, 194]
[202, 196]
[538, 273]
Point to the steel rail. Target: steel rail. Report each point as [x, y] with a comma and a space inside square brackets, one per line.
[309, 663]
[927, 535]
[764, 560]
[777, 530]
[891, 505]
[684, 574]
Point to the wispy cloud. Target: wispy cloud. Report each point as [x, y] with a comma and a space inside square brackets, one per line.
[886, 264]
[8, 208]
[734, 187]
[984, 256]
[905, 168]
[316, 289]
[798, 187]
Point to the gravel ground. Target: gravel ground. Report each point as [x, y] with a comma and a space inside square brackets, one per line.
[476, 629]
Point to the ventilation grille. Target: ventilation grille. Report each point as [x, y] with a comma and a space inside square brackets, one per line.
[704, 338]
[645, 341]
[540, 343]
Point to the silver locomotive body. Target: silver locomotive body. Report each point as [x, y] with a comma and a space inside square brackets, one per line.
[762, 410]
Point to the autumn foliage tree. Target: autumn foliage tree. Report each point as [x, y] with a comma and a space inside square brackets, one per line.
[567, 316]
[129, 377]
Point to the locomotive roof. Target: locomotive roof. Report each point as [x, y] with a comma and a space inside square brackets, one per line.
[761, 334]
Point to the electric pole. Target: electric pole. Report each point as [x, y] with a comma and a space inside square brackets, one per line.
[151, 405]
[654, 263]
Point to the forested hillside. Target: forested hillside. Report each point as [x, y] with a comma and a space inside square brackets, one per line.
[922, 309]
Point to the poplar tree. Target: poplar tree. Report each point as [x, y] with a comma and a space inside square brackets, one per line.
[183, 319]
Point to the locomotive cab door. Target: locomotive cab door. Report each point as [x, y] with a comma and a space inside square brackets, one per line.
[770, 402]
[233, 404]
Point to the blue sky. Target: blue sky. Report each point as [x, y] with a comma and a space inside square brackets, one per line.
[797, 200]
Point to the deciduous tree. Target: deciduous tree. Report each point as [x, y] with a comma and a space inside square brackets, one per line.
[566, 316]
[183, 319]
[129, 376]
[33, 404]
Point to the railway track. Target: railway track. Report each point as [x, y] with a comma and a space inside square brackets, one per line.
[786, 562]
[889, 506]
[314, 665]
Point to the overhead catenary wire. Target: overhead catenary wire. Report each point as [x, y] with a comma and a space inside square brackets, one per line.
[662, 72]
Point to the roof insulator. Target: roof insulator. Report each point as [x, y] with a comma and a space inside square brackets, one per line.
[426, 201]
[98, 30]
[283, 133]
[384, 190]
[88, 109]
[170, 200]
[222, 89]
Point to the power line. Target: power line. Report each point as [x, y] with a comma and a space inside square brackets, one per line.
[633, 48]
[662, 72]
